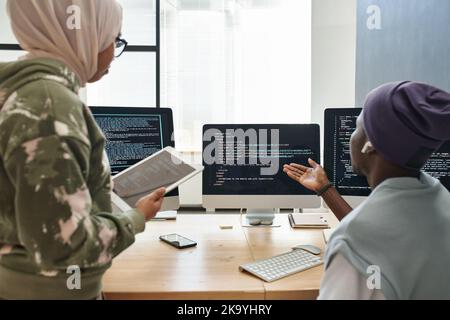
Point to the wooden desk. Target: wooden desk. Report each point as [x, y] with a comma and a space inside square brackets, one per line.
[151, 269]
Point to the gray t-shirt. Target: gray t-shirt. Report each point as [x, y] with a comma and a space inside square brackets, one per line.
[402, 230]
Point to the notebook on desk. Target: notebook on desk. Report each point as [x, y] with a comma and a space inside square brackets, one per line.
[308, 221]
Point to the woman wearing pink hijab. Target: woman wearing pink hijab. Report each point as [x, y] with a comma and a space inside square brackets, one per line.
[55, 199]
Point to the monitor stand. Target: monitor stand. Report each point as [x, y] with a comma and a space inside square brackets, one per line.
[260, 218]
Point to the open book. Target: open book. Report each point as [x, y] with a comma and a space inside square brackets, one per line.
[165, 168]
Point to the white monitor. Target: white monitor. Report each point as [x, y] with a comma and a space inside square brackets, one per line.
[244, 166]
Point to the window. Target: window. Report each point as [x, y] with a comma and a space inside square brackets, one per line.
[9, 49]
[234, 61]
[6, 35]
[131, 82]
[10, 55]
[134, 77]
[139, 21]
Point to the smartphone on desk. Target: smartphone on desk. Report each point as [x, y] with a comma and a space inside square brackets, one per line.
[178, 241]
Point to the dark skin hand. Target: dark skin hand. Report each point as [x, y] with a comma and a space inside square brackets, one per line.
[315, 179]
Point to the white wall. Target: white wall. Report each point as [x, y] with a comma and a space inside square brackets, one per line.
[333, 55]
[191, 191]
[6, 35]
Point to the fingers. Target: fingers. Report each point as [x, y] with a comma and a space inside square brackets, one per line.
[161, 192]
[158, 194]
[293, 176]
[288, 168]
[299, 167]
[159, 203]
[293, 171]
[312, 163]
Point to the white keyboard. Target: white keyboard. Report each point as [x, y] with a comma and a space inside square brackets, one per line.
[283, 265]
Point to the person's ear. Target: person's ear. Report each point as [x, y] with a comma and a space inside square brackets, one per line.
[368, 148]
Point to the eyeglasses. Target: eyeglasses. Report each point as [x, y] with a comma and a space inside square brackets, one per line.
[121, 45]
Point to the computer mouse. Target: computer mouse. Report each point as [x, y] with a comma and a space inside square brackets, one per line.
[311, 249]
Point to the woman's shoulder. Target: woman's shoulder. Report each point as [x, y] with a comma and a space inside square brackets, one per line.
[50, 94]
[40, 108]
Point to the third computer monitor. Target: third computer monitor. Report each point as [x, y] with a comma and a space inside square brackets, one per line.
[340, 123]
[244, 165]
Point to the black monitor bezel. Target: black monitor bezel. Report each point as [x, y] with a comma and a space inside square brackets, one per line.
[168, 141]
[328, 152]
[163, 111]
[213, 126]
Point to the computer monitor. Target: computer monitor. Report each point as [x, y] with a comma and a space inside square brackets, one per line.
[339, 125]
[133, 134]
[244, 165]
[438, 165]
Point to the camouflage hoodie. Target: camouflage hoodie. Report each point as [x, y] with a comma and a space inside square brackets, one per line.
[55, 205]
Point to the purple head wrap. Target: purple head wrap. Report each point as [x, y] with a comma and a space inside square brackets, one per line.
[407, 121]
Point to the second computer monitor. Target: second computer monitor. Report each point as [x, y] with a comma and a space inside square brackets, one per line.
[340, 123]
[244, 165]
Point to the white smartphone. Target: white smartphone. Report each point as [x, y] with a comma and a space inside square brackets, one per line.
[165, 168]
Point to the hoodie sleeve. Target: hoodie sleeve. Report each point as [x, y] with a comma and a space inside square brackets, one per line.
[54, 207]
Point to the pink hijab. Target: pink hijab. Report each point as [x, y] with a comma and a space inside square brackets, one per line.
[72, 31]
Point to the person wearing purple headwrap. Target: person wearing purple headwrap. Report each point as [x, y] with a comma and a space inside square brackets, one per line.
[407, 121]
[396, 245]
